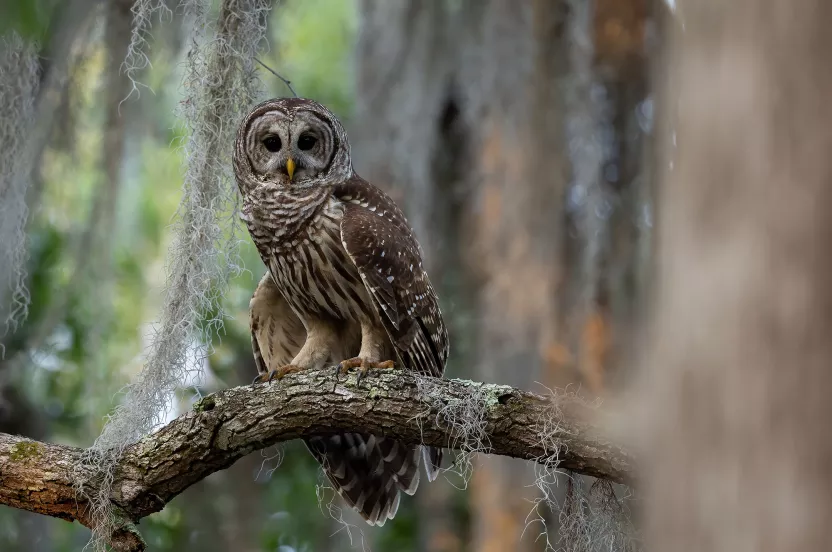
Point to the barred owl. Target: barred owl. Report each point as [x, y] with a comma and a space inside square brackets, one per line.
[345, 285]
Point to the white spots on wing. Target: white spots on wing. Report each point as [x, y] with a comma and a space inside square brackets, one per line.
[411, 267]
[390, 278]
[382, 253]
[347, 198]
[373, 208]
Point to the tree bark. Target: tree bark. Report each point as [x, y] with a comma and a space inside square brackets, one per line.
[512, 61]
[230, 424]
[740, 452]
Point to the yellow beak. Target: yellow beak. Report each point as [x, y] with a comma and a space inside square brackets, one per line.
[290, 168]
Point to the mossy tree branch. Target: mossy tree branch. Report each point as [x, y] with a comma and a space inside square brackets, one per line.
[227, 425]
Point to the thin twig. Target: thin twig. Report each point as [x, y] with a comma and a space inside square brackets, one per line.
[287, 82]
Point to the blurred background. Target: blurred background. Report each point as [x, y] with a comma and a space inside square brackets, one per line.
[517, 136]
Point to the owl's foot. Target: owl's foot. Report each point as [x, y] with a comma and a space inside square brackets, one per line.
[363, 366]
[278, 374]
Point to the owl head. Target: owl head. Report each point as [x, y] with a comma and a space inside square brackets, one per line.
[291, 143]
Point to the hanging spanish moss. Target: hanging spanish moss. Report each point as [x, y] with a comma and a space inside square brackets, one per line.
[19, 79]
[137, 58]
[219, 85]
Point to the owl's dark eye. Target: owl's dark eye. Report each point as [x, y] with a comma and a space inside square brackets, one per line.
[272, 143]
[306, 142]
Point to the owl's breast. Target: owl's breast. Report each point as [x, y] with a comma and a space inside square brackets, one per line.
[278, 220]
[315, 273]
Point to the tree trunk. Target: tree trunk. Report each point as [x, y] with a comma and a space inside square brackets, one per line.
[611, 330]
[512, 62]
[741, 352]
[608, 206]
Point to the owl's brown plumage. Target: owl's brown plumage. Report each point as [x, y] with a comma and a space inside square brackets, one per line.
[345, 280]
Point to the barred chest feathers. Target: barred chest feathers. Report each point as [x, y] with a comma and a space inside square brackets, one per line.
[300, 243]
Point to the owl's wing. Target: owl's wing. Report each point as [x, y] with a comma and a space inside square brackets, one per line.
[380, 242]
[277, 334]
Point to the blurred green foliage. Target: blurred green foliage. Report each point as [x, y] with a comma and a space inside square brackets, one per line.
[313, 47]
[30, 18]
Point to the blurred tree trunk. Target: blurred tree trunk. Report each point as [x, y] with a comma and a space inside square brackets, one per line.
[94, 268]
[404, 61]
[459, 111]
[609, 205]
[117, 86]
[739, 378]
[70, 25]
[511, 74]
[620, 32]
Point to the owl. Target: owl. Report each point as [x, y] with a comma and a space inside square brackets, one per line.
[345, 285]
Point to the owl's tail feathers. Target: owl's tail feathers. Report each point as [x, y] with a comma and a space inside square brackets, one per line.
[401, 462]
[433, 461]
[368, 471]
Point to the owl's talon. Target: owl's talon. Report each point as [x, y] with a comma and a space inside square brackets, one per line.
[361, 373]
[363, 366]
[278, 374]
[346, 365]
[283, 370]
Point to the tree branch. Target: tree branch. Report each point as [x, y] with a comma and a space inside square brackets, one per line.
[225, 426]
